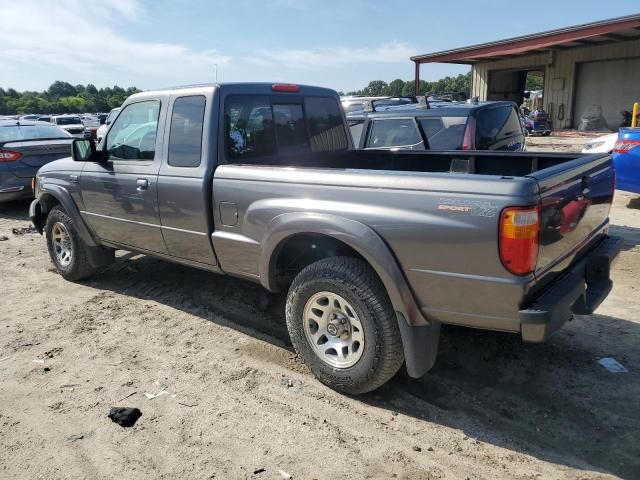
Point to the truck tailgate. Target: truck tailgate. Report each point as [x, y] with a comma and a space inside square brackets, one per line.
[575, 201]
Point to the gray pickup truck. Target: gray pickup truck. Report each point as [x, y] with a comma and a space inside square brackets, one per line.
[376, 248]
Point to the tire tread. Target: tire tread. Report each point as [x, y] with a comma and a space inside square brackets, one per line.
[362, 281]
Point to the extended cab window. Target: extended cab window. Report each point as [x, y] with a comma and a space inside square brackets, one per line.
[496, 124]
[133, 134]
[185, 134]
[260, 126]
[395, 132]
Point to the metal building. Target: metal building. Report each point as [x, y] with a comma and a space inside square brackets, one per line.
[595, 65]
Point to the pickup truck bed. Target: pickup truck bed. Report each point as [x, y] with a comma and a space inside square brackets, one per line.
[440, 225]
[376, 248]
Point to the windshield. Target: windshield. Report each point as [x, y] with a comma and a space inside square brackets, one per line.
[112, 115]
[68, 121]
[15, 133]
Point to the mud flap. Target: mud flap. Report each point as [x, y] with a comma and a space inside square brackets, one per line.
[100, 257]
[420, 346]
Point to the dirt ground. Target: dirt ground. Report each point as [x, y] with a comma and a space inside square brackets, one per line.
[239, 405]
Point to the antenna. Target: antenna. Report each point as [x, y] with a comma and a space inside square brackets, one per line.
[216, 65]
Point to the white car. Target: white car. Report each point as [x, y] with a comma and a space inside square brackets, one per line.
[603, 144]
[72, 124]
[102, 130]
[90, 121]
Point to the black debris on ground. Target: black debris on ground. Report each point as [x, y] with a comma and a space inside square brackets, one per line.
[124, 416]
[24, 231]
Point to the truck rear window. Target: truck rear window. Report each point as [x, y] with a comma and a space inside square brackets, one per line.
[258, 126]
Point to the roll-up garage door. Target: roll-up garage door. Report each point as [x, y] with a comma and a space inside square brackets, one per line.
[612, 84]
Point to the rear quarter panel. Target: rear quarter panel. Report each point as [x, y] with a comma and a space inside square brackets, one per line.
[442, 229]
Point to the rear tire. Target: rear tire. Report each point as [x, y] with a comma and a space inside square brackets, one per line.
[342, 325]
[67, 250]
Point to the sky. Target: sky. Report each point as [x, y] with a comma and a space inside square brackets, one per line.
[338, 44]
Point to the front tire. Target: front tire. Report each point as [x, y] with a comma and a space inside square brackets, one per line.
[343, 326]
[67, 250]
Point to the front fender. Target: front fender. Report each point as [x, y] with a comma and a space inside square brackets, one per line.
[40, 207]
[358, 236]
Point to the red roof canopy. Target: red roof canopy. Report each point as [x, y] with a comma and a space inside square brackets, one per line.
[619, 29]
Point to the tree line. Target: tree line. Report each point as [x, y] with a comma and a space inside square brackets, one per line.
[460, 84]
[62, 97]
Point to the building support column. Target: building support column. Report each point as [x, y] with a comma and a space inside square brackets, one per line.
[417, 84]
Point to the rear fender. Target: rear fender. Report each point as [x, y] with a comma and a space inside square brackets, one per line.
[358, 236]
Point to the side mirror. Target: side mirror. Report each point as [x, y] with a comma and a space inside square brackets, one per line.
[84, 150]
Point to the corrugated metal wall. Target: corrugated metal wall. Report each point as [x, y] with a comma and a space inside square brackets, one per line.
[558, 94]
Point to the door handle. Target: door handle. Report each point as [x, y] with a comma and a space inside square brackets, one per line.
[142, 184]
[73, 178]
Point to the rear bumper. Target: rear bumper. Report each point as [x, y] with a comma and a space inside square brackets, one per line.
[584, 287]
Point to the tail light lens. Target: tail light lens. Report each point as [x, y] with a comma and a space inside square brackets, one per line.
[468, 141]
[624, 146]
[520, 239]
[9, 155]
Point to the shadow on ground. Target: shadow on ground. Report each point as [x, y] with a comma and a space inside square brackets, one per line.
[630, 235]
[551, 401]
[15, 210]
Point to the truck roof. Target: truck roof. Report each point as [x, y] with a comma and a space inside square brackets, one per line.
[259, 88]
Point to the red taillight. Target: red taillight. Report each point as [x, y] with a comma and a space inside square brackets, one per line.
[624, 146]
[9, 155]
[519, 239]
[285, 87]
[468, 141]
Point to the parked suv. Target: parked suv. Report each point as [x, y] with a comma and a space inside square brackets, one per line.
[440, 126]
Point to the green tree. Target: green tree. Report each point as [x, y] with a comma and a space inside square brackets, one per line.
[61, 89]
[73, 104]
[460, 84]
[534, 82]
[376, 88]
[395, 87]
[62, 97]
